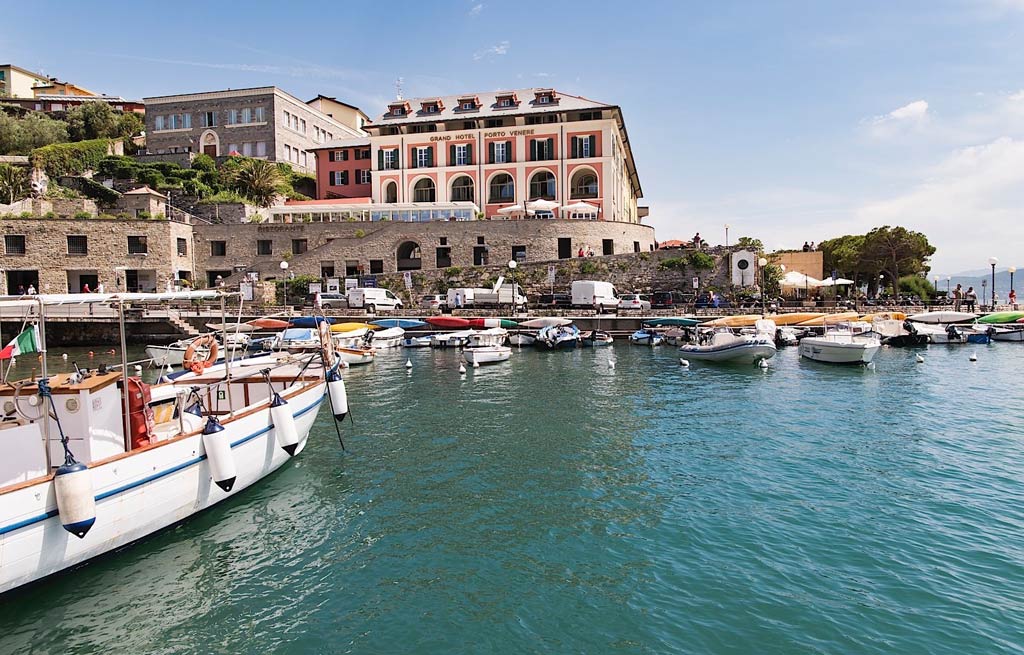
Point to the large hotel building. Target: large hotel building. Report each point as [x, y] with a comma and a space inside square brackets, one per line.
[507, 154]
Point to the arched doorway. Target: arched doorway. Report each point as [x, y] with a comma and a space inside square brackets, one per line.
[424, 191]
[210, 143]
[391, 192]
[408, 256]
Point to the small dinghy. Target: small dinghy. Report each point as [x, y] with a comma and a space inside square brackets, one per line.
[595, 339]
[448, 322]
[355, 356]
[943, 317]
[725, 345]
[404, 323]
[646, 337]
[486, 354]
[558, 337]
[492, 323]
[389, 338]
[947, 334]
[522, 338]
[545, 321]
[417, 342]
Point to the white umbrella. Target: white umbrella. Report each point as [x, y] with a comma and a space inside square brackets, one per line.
[541, 205]
[839, 281]
[511, 209]
[799, 280]
[579, 207]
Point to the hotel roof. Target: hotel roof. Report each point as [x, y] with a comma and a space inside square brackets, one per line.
[343, 143]
[449, 107]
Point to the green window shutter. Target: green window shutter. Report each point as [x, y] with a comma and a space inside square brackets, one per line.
[330, 155]
[490, 152]
[551, 149]
[451, 155]
[344, 155]
[469, 154]
[414, 160]
[593, 145]
[575, 147]
[380, 160]
[508, 151]
[430, 157]
[533, 150]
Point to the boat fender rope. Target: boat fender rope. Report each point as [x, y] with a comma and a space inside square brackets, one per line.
[47, 394]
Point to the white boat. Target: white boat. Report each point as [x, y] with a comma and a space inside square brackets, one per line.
[786, 335]
[353, 338]
[451, 339]
[495, 336]
[173, 354]
[595, 339]
[418, 342]
[724, 345]
[387, 338]
[853, 343]
[1000, 333]
[558, 337]
[943, 333]
[545, 321]
[943, 317]
[355, 356]
[520, 338]
[646, 337]
[486, 354]
[137, 461]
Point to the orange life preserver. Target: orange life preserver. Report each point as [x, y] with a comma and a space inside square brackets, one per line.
[197, 366]
[140, 414]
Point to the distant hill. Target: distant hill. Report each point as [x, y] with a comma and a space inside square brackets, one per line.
[973, 278]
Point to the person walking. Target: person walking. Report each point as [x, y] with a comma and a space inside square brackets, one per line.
[971, 297]
[958, 297]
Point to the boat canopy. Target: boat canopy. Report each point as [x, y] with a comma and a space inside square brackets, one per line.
[57, 299]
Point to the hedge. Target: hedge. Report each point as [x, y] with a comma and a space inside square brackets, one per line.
[96, 191]
[70, 158]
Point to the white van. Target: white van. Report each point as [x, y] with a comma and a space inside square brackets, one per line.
[372, 299]
[596, 295]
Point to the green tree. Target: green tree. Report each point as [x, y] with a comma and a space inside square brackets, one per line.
[93, 120]
[845, 255]
[19, 136]
[203, 162]
[257, 180]
[896, 251]
[751, 244]
[772, 277]
[129, 124]
[13, 183]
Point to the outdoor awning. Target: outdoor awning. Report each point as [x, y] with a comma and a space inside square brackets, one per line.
[580, 208]
[838, 282]
[512, 209]
[799, 280]
[541, 205]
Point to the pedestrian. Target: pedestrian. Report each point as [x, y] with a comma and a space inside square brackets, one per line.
[85, 288]
[812, 246]
[958, 297]
[31, 290]
[21, 289]
[99, 288]
[1012, 298]
[458, 300]
[590, 251]
[807, 248]
[971, 297]
[318, 302]
[697, 241]
[715, 301]
[580, 253]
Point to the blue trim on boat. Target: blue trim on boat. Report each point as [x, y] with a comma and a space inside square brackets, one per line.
[132, 485]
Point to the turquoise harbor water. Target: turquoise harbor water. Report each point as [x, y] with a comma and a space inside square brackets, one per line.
[555, 504]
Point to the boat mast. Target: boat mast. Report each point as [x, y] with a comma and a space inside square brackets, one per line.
[124, 375]
[42, 372]
[224, 340]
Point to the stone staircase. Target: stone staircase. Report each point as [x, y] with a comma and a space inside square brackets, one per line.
[175, 319]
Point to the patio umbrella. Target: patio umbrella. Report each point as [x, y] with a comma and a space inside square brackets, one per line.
[512, 209]
[541, 205]
[579, 208]
[838, 282]
[799, 280]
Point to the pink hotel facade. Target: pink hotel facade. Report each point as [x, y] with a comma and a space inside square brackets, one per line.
[502, 152]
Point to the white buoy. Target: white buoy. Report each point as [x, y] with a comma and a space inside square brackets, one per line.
[138, 368]
[919, 359]
[684, 363]
[974, 357]
[76, 503]
[762, 363]
[64, 356]
[462, 368]
[408, 363]
[218, 452]
[611, 363]
[339, 396]
[476, 364]
[284, 424]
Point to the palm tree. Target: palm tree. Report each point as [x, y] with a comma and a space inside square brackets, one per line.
[13, 184]
[258, 180]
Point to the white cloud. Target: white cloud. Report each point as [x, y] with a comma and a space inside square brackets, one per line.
[914, 111]
[496, 50]
[476, 9]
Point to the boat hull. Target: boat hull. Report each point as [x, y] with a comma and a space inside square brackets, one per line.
[748, 353]
[139, 494]
[1014, 335]
[831, 352]
[355, 356]
[520, 339]
[487, 354]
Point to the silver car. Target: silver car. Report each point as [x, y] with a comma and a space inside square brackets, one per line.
[634, 301]
[434, 302]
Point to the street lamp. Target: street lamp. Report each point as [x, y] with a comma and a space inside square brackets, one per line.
[512, 272]
[949, 278]
[936, 280]
[992, 261]
[726, 235]
[284, 275]
[1012, 270]
[763, 263]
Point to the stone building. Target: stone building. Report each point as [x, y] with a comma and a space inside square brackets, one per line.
[263, 122]
[59, 255]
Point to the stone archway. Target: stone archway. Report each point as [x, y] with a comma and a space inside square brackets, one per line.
[209, 143]
[408, 256]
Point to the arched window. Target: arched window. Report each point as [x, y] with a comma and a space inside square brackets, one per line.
[502, 188]
[408, 256]
[583, 185]
[462, 189]
[542, 185]
[424, 191]
[391, 192]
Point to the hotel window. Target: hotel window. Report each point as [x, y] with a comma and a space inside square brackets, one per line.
[583, 185]
[424, 191]
[247, 115]
[500, 152]
[387, 159]
[590, 115]
[218, 248]
[495, 122]
[303, 122]
[299, 246]
[340, 155]
[397, 111]
[424, 157]
[78, 245]
[363, 176]
[232, 116]
[137, 245]
[502, 188]
[339, 178]
[208, 119]
[247, 149]
[14, 244]
[584, 146]
[233, 147]
[462, 190]
[305, 160]
[542, 185]
[467, 106]
[264, 247]
[461, 155]
[505, 102]
[545, 99]
[182, 245]
[542, 149]
[261, 148]
[158, 123]
[431, 109]
[469, 125]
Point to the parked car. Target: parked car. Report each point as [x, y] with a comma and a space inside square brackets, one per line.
[669, 299]
[555, 300]
[434, 301]
[372, 298]
[333, 301]
[634, 301]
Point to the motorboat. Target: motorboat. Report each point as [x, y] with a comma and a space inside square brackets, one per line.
[173, 354]
[646, 337]
[355, 356]
[386, 338]
[558, 337]
[486, 354]
[522, 338]
[943, 317]
[595, 339]
[938, 333]
[495, 336]
[847, 343]
[125, 459]
[677, 336]
[297, 340]
[899, 333]
[723, 344]
[786, 335]
[423, 341]
[1015, 334]
[451, 339]
[356, 338]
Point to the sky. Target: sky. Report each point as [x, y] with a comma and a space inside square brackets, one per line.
[790, 121]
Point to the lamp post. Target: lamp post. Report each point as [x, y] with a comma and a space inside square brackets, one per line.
[726, 235]
[1012, 270]
[992, 261]
[763, 263]
[949, 278]
[284, 276]
[512, 273]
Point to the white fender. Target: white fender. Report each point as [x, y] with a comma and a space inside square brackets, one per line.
[284, 424]
[339, 397]
[218, 452]
[76, 503]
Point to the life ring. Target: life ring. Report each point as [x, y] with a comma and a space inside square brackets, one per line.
[326, 344]
[194, 364]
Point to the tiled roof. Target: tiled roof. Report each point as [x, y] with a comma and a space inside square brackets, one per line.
[451, 109]
[57, 97]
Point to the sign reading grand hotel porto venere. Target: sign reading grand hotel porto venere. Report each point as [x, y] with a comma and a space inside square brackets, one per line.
[486, 135]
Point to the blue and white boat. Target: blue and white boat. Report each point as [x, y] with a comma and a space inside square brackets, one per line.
[646, 337]
[558, 337]
[724, 345]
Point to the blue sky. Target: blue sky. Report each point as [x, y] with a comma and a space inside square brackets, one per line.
[790, 121]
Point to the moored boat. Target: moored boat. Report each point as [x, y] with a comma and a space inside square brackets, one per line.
[724, 345]
[997, 318]
[422, 341]
[355, 356]
[449, 322]
[404, 323]
[492, 323]
[558, 337]
[595, 338]
[387, 338]
[486, 354]
[522, 338]
[545, 321]
[851, 343]
[1015, 334]
[943, 317]
[646, 337]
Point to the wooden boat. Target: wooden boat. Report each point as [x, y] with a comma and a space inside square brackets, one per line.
[139, 457]
[492, 323]
[830, 319]
[795, 318]
[269, 323]
[355, 356]
[996, 318]
[486, 354]
[882, 316]
[545, 321]
[740, 320]
[1015, 333]
[449, 322]
[943, 317]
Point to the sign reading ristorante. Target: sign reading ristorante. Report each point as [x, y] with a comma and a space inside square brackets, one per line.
[497, 134]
